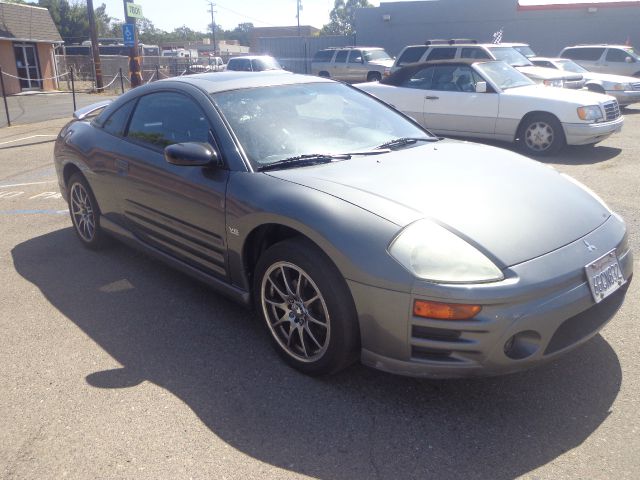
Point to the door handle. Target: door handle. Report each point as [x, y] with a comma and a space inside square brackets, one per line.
[429, 97]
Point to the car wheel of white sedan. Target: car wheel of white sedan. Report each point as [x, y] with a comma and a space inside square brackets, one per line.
[541, 134]
[306, 307]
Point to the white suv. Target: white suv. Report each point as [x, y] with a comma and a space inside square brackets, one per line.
[469, 49]
[616, 59]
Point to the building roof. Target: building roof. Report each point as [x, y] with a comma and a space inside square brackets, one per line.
[27, 23]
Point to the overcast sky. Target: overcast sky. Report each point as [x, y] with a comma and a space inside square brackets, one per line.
[169, 14]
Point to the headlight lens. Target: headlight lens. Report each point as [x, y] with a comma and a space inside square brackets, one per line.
[433, 253]
[591, 113]
[554, 83]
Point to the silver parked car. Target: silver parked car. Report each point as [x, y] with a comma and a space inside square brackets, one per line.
[625, 89]
[354, 232]
[351, 64]
[614, 59]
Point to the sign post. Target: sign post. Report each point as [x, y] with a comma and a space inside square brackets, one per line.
[130, 37]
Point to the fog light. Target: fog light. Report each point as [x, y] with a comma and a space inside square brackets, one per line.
[522, 345]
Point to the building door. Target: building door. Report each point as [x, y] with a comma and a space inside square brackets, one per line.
[27, 66]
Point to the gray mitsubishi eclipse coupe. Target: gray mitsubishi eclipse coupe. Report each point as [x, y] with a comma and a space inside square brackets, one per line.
[354, 232]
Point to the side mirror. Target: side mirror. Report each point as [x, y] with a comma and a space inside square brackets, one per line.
[481, 87]
[628, 59]
[191, 154]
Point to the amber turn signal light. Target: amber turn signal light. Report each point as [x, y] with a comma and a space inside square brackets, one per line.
[444, 311]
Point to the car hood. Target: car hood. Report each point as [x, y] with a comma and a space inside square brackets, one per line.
[565, 95]
[607, 77]
[383, 63]
[548, 73]
[510, 207]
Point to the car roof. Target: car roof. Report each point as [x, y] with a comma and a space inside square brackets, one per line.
[550, 59]
[455, 61]
[251, 57]
[603, 45]
[224, 81]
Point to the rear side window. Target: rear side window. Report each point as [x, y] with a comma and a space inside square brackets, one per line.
[590, 53]
[323, 56]
[473, 52]
[422, 79]
[616, 55]
[411, 55]
[442, 54]
[355, 56]
[117, 122]
[341, 56]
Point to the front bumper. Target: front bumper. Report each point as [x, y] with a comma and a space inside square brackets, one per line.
[625, 98]
[550, 314]
[586, 134]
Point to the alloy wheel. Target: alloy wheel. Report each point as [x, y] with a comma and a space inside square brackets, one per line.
[539, 136]
[82, 212]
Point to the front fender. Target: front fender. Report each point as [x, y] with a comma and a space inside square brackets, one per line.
[354, 239]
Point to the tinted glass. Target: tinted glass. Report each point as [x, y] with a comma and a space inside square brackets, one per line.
[442, 54]
[355, 56]
[411, 55]
[421, 79]
[473, 52]
[503, 75]
[592, 54]
[283, 121]
[239, 64]
[323, 56]
[161, 119]
[117, 122]
[570, 66]
[510, 56]
[373, 55]
[543, 63]
[262, 64]
[341, 56]
[454, 78]
[616, 55]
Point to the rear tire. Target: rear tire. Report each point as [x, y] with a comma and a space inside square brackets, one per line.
[306, 307]
[541, 134]
[85, 213]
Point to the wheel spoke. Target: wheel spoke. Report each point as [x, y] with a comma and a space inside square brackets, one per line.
[311, 300]
[282, 295]
[308, 330]
[286, 282]
[282, 305]
[300, 277]
[301, 335]
[316, 321]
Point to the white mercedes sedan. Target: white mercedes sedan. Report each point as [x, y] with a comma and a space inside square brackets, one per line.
[492, 100]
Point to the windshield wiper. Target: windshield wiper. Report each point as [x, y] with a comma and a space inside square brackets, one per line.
[400, 142]
[305, 160]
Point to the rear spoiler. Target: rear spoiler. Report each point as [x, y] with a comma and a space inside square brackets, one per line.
[84, 112]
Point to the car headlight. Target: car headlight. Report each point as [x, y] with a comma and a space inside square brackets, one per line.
[554, 83]
[591, 113]
[619, 86]
[433, 253]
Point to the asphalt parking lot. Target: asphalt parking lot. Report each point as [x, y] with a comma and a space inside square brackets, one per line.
[115, 366]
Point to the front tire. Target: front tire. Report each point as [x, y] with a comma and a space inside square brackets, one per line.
[306, 307]
[541, 134]
[374, 77]
[85, 213]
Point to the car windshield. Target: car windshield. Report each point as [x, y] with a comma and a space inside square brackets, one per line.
[504, 76]
[373, 55]
[570, 66]
[266, 63]
[511, 56]
[286, 121]
[525, 50]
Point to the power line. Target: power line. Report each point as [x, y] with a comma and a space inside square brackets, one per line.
[246, 16]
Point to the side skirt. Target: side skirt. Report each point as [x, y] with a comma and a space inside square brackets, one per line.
[234, 293]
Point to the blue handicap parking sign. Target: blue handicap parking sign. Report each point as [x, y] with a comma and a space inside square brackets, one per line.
[128, 34]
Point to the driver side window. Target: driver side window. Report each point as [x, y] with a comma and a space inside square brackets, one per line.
[422, 79]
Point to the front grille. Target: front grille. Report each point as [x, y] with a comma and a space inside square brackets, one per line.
[611, 110]
[635, 86]
[586, 323]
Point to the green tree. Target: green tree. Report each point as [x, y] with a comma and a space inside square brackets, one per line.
[72, 20]
[343, 17]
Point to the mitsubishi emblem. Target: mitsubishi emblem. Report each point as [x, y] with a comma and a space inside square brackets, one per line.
[590, 247]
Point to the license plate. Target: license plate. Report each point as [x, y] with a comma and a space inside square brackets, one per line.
[605, 276]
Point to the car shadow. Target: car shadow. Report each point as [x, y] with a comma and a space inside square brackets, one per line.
[634, 110]
[569, 155]
[359, 424]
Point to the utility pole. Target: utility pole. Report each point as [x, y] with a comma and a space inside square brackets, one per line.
[299, 7]
[213, 28]
[135, 75]
[95, 49]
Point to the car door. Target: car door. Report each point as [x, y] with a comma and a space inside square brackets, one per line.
[178, 210]
[339, 67]
[452, 106]
[587, 57]
[356, 70]
[619, 62]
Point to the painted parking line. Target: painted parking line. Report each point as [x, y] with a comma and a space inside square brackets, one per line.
[34, 212]
[27, 138]
[26, 184]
